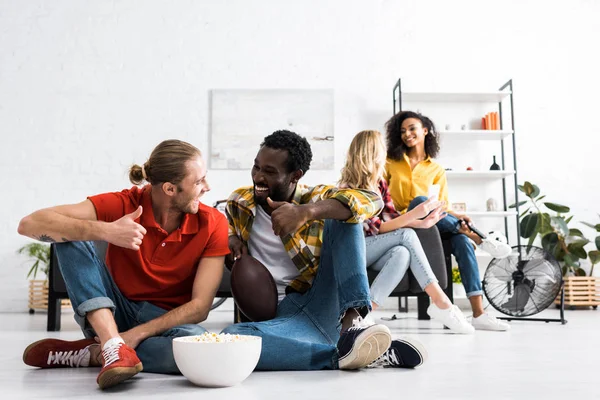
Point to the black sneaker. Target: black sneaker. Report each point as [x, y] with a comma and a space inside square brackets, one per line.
[403, 353]
[362, 344]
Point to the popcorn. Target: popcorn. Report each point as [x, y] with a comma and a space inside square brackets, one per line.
[211, 337]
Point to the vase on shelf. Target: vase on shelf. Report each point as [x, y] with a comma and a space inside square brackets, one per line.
[495, 167]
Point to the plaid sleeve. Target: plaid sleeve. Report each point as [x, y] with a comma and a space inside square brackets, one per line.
[362, 203]
[237, 215]
[373, 224]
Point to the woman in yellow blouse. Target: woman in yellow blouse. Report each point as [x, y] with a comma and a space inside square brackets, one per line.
[412, 142]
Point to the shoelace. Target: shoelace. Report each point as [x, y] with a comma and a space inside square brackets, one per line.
[111, 354]
[359, 323]
[70, 358]
[388, 358]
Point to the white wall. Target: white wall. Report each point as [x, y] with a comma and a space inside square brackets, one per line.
[87, 88]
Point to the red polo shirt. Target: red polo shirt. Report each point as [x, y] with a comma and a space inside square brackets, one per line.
[162, 272]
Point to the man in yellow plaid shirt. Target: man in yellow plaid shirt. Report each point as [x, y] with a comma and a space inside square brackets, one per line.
[312, 242]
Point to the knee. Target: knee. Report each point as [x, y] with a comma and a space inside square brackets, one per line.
[399, 253]
[462, 242]
[416, 201]
[69, 248]
[246, 328]
[186, 330]
[335, 229]
[410, 235]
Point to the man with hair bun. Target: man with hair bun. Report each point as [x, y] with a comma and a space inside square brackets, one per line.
[162, 269]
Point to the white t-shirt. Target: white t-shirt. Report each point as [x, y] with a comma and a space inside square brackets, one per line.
[268, 248]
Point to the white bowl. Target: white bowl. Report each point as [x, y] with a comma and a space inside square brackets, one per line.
[217, 364]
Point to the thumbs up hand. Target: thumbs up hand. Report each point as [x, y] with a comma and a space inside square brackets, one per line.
[127, 233]
[286, 217]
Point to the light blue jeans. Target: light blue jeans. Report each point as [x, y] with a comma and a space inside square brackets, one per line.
[392, 253]
[305, 332]
[91, 287]
[462, 248]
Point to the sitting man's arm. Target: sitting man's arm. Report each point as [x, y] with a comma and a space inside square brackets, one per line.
[206, 283]
[75, 222]
[326, 202]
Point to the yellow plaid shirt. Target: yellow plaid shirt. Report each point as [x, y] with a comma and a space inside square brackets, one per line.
[304, 245]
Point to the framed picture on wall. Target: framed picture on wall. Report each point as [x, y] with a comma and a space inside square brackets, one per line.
[240, 119]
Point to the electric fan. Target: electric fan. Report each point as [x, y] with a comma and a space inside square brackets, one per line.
[524, 283]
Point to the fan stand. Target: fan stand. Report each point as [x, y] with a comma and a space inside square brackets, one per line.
[562, 319]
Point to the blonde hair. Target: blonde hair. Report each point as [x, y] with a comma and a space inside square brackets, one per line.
[365, 162]
[166, 163]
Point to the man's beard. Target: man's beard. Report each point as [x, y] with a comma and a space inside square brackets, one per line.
[276, 194]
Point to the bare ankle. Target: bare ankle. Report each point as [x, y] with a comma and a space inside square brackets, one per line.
[95, 355]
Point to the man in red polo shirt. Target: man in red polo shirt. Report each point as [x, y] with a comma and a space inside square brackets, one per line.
[163, 266]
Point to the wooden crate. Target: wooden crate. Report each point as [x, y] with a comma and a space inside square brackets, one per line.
[38, 296]
[581, 291]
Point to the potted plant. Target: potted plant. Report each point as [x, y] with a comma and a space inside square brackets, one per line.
[458, 290]
[566, 244]
[39, 255]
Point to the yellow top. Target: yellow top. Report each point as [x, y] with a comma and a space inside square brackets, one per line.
[405, 185]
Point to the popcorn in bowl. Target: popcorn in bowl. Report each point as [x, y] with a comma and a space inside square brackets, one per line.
[217, 360]
[211, 337]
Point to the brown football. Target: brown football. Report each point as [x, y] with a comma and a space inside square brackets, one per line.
[254, 290]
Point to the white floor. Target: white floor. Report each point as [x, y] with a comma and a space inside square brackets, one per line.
[534, 360]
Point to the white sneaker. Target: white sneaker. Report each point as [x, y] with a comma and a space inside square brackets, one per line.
[495, 248]
[487, 322]
[451, 317]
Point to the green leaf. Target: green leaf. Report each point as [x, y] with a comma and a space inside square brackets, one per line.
[596, 227]
[521, 188]
[577, 251]
[565, 269]
[528, 189]
[530, 243]
[558, 208]
[536, 191]
[579, 272]
[571, 261]
[545, 225]
[569, 219]
[549, 242]
[514, 205]
[540, 198]
[524, 212]
[597, 242]
[575, 232]
[560, 225]
[529, 225]
[594, 256]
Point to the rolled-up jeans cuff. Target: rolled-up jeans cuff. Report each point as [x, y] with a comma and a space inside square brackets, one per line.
[358, 305]
[475, 293]
[429, 282]
[91, 305]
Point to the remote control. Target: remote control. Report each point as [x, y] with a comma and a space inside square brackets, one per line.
[477, 231]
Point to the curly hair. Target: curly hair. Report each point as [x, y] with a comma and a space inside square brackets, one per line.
[298, 148]
[396, 147]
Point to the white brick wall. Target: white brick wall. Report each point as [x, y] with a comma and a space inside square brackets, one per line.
[86, 88]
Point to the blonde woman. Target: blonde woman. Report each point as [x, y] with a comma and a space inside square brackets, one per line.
[391, 247]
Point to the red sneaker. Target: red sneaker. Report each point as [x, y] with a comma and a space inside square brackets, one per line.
[120, 363]
[55, 353]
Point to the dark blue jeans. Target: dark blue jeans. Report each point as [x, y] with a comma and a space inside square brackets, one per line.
[462, 248]
[91, 287]
[304, 334]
